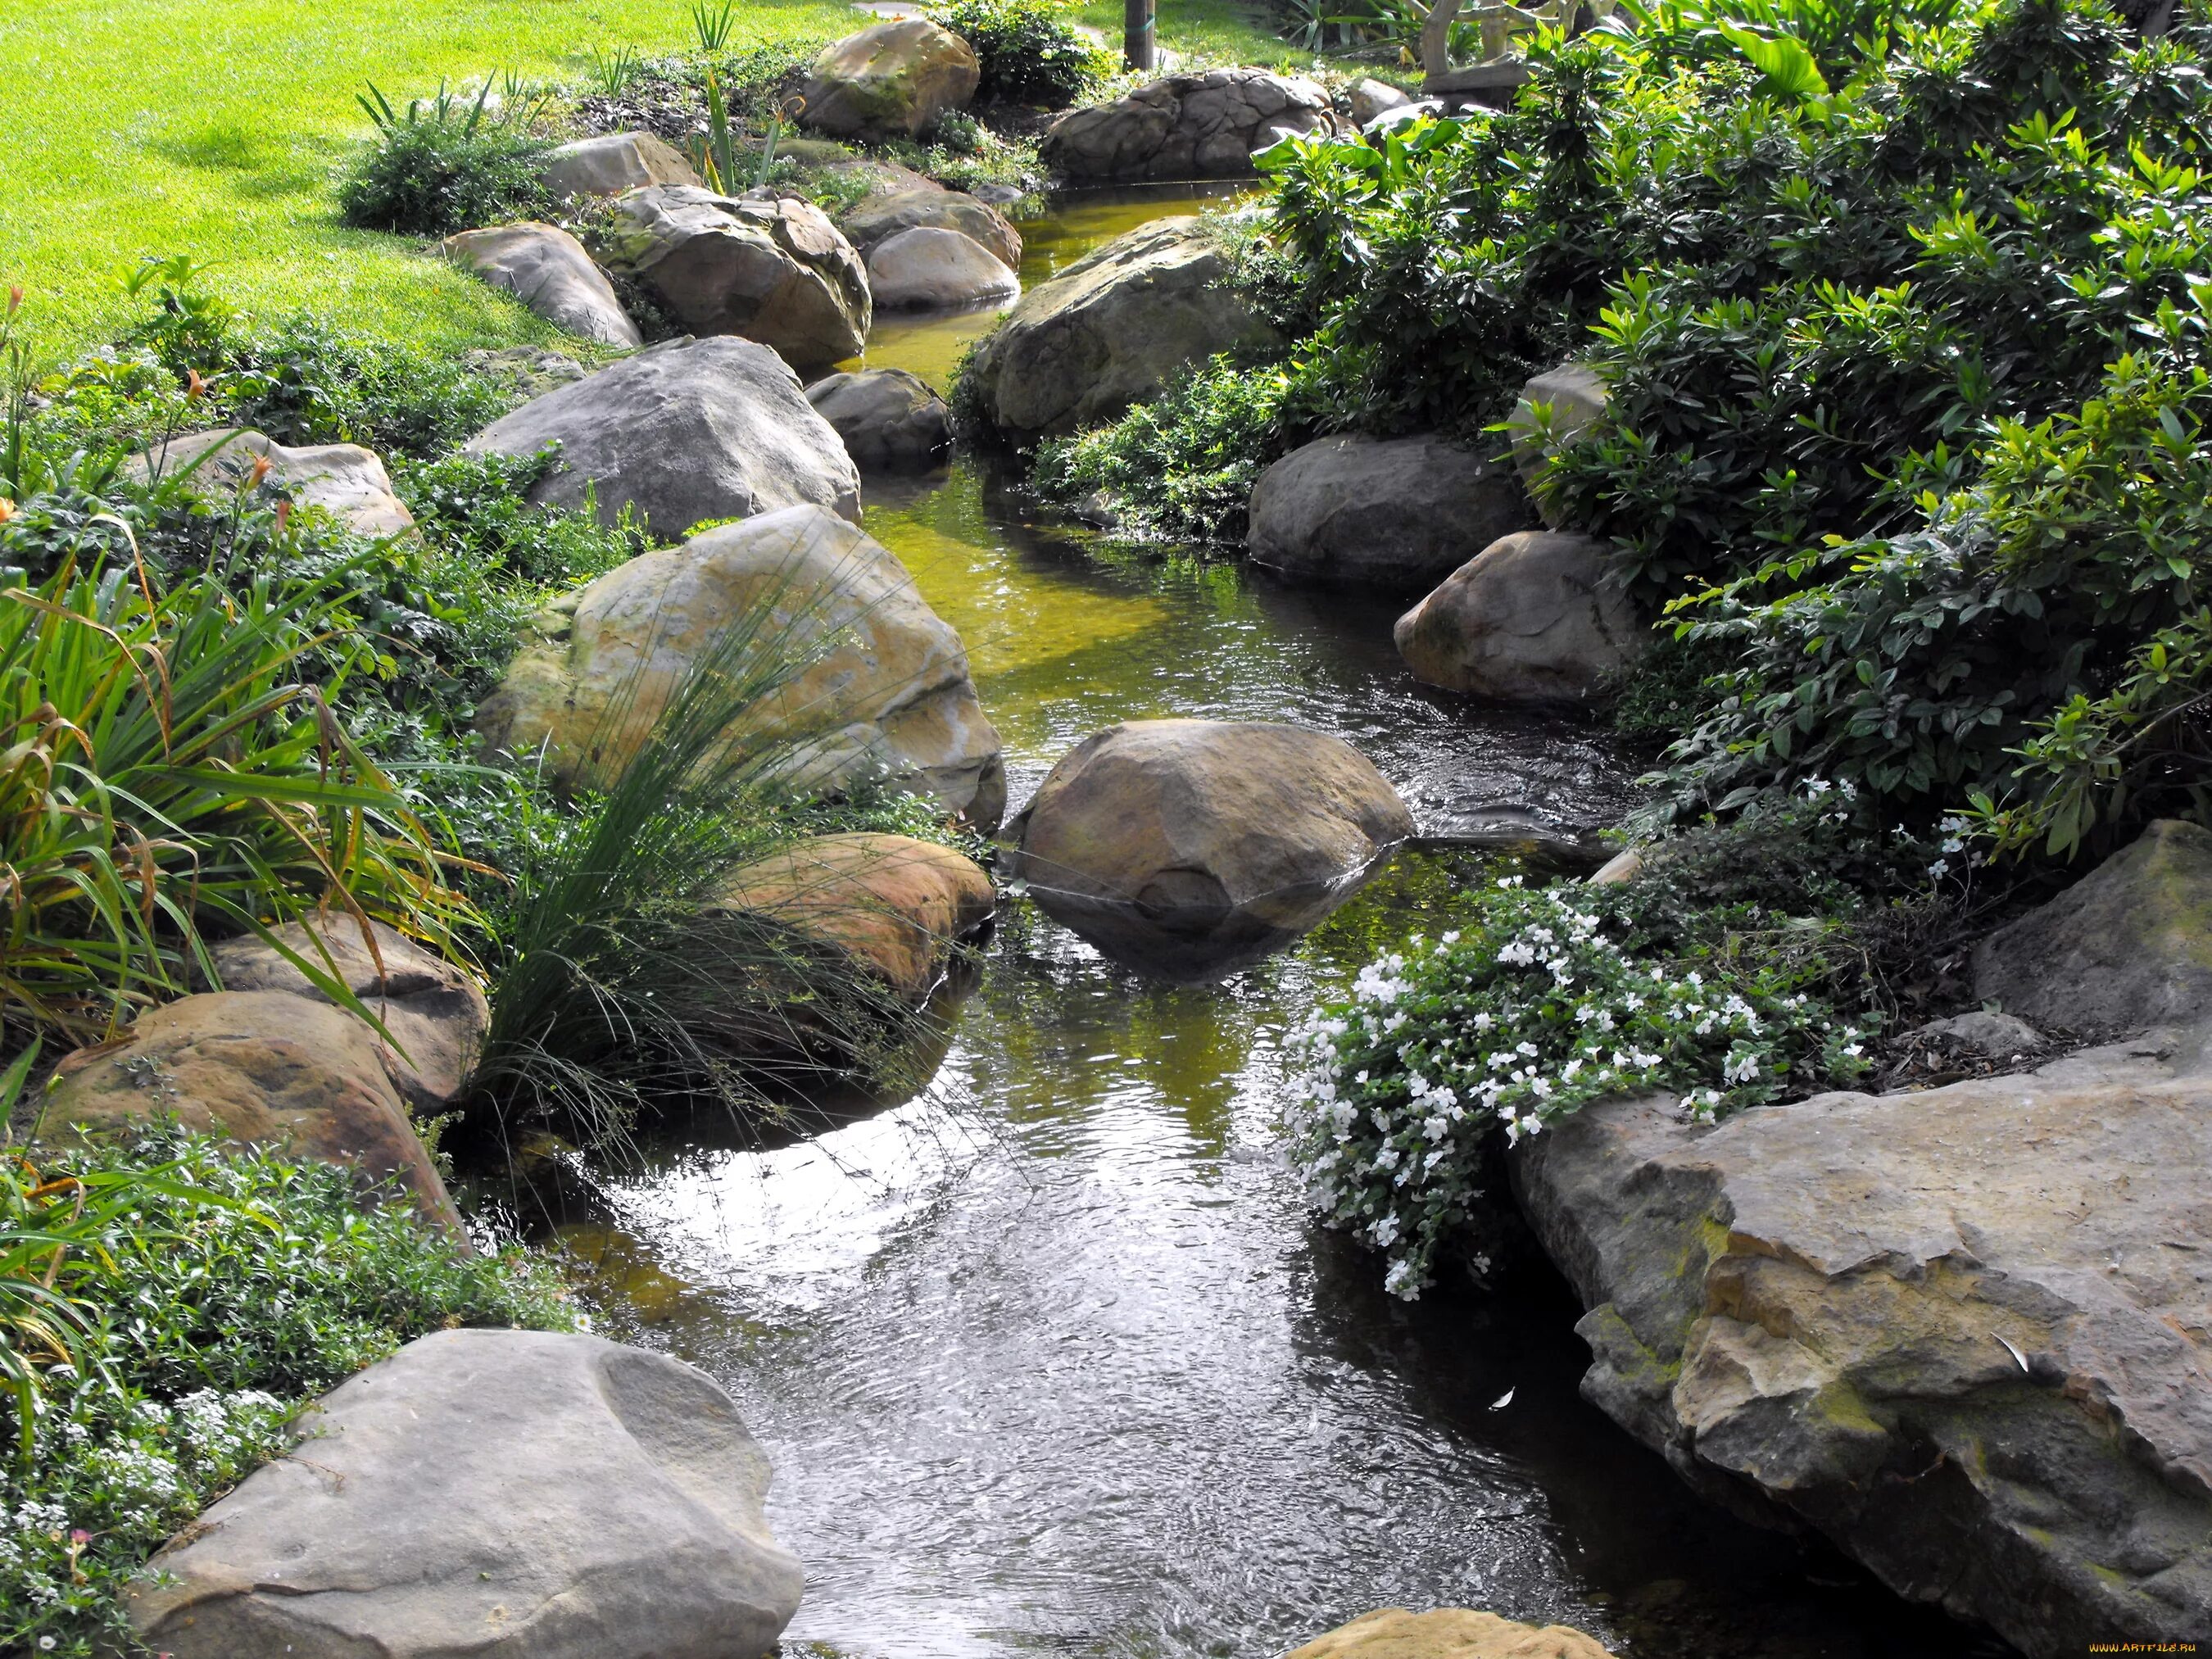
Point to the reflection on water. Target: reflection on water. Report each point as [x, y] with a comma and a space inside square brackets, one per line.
[1048, 1358]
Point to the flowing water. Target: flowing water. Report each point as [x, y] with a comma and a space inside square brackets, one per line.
[1048, 1358]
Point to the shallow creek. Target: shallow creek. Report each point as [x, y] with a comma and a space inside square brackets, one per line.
[1048, 1358]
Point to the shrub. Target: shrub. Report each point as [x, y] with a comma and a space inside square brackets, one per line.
[1744, 965]
[1182, 467]
[444, 165]
[1029, 52]
[194, 1299]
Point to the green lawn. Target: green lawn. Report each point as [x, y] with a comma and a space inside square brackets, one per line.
[216, 128]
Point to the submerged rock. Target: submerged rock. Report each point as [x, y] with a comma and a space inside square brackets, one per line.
[1449, 1633]
[262, 1068]
[926, 269]
[1189, 847]
[890, 698]
[1963, 1332]
[894, 905]
[1533, 619]
[1203, 125]
[776, 271]
[890, 419]
[1392, 515]
[547, 269]
[613, 162]
[1110, 331]
[882, 217]
[889, 82]
[435, 1014]
[2127, 946]
[685, 431]
[525, 1493]
[345, 480]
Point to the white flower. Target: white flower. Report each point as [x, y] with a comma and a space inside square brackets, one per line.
[1435, 1128]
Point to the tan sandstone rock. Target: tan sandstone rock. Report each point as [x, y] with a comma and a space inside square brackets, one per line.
[927, 268]
[1449, 1633]
[547, 269]
[1109, 331]
[613, 162]
[1554, 409]
[434, 1013]
[1189, 847]
[345, 480]
[890, 81]
[262, 1068]
[882, 217]
[893, 698]
[895, 905]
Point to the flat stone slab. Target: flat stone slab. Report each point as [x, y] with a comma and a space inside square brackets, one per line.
[1965, 1332]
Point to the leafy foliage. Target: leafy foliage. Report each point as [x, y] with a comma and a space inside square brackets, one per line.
[1030, 53]
[200, 1297]
[444, 165]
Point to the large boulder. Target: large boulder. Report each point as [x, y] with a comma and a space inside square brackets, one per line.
[1189, 848]
[1554, 410]
[891, 904]
[776, 271]
[688, 431]
[926, 269]
[260, 1068]
[881, 217]
[1203, 125]
[889, 82]
[1449, 1633]
[547, 269]
[1110, 331]
[533, 1494]
[1391, 515]
[1368, 98]
[890, 419]
[890, 697]
[345, 480]
[1534, 619]
[1962, 1332]
[434, 1013]
[613, 162]
[2127, 946]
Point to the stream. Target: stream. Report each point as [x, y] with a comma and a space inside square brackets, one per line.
[1049, 1358]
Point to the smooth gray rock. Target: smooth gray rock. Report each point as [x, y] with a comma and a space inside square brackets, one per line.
[530, 1494]
[1190, 847]
[1204, 125]
[686, 431]
[890, 81]
[345, 480]
[775, 272]
[1110, 331]
[926, 269]
[613, 162]
[547, 269]
[1962, 1332]
[2128, 946]
[1394, 515]
[1572, 397]
[890, 419]
[1369, 98]
[881, 217]
[1993, 1036]
[1533, 619]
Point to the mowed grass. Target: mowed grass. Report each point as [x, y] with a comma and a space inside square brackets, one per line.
[218, 128]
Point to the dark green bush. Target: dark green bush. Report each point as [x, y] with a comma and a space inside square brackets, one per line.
[1029, 51]
[445, 166]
